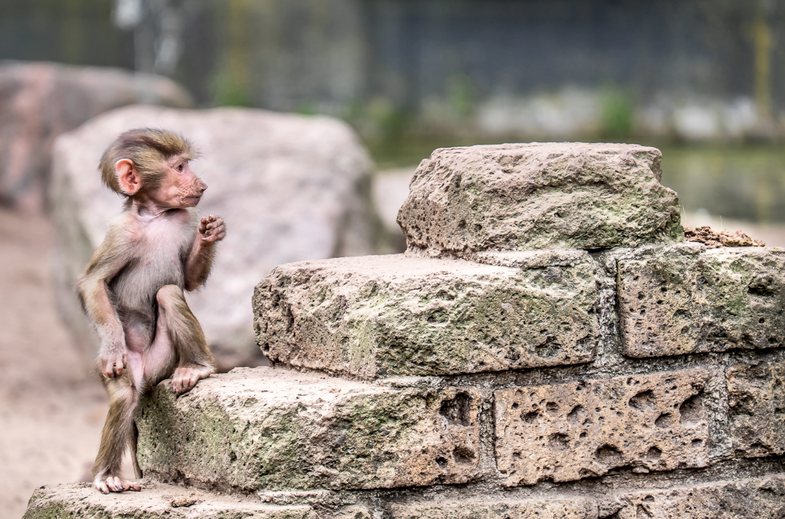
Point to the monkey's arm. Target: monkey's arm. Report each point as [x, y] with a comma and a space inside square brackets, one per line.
[106, 262]
[197, 267]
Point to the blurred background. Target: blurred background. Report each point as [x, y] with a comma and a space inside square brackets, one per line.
[703, 80]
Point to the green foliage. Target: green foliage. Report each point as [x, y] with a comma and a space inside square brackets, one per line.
[460, 94]
[229, 92]
[617, 113]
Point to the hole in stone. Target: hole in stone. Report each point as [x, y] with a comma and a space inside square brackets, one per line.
[550, 348]
[691, 411]
[552, 407]
[530, 417]
[441, 461]
[515, 406]
[463, 454]
[664, 420]
[577, 415]
[761, 320]
[457, 410]
[559, 441]
[697, 443]
[642, 400]
[609, 456]
[653, 455]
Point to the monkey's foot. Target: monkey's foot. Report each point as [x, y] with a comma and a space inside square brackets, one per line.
[115, 484]
[186, 377]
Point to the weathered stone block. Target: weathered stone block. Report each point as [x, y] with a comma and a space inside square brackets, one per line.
[565, 432]
[575, 508]
[156, 501]
[539, 195]
[757, 407]
[396, 315]
[686, 299]
[275, 429]
[760, 498]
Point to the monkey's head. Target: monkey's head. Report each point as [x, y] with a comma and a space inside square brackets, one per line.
[152, 164]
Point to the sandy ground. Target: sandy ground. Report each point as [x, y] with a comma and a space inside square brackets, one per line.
[51, 406]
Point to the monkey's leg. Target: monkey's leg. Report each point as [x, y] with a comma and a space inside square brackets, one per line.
[194, 360]
[116, 435]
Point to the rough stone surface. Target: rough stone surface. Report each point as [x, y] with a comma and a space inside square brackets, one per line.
[569, 508]
[686, 299]
[275, 429]
[759, 498]
[569, 431]
[39, 101]
[396, 315]
[757, 407]
[289, 187]
[156, 501]
[539, 195]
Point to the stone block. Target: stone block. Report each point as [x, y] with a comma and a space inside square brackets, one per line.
[538, 196]
[544, 508]
[565, 432]
[758, 498]
[396, 315]
[757, 407]
[687, 299]
[155, 501]
[274, 429]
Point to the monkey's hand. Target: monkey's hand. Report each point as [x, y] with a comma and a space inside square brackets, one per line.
[113, 362]
[212, 228]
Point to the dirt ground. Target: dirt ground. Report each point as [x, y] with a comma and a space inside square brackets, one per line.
[51, 406]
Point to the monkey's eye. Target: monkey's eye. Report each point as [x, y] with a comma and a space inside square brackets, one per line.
[180, 167]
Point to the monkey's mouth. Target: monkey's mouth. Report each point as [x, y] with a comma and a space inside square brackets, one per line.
[193, 199]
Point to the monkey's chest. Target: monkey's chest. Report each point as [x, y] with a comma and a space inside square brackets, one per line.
[162, 253]
[160, 260]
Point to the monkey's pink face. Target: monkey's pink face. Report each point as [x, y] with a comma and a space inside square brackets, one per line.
[180, 188]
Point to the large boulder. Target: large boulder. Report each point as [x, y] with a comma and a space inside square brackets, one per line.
[289, 187]
[539, 196]
[39, 101]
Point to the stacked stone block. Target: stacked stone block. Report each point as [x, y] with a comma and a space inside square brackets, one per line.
[548, 346]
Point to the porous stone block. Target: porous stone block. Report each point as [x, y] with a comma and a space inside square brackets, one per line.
[687, 299]
[757, 407]
[274, 429]
[758, 498]
[155, 501]
[537, 196]
[394, 315]
[565, 432]
[574, 508]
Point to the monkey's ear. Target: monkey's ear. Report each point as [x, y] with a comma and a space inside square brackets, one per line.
[127, 177]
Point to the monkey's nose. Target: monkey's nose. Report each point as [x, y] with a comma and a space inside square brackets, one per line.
[202, 186]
